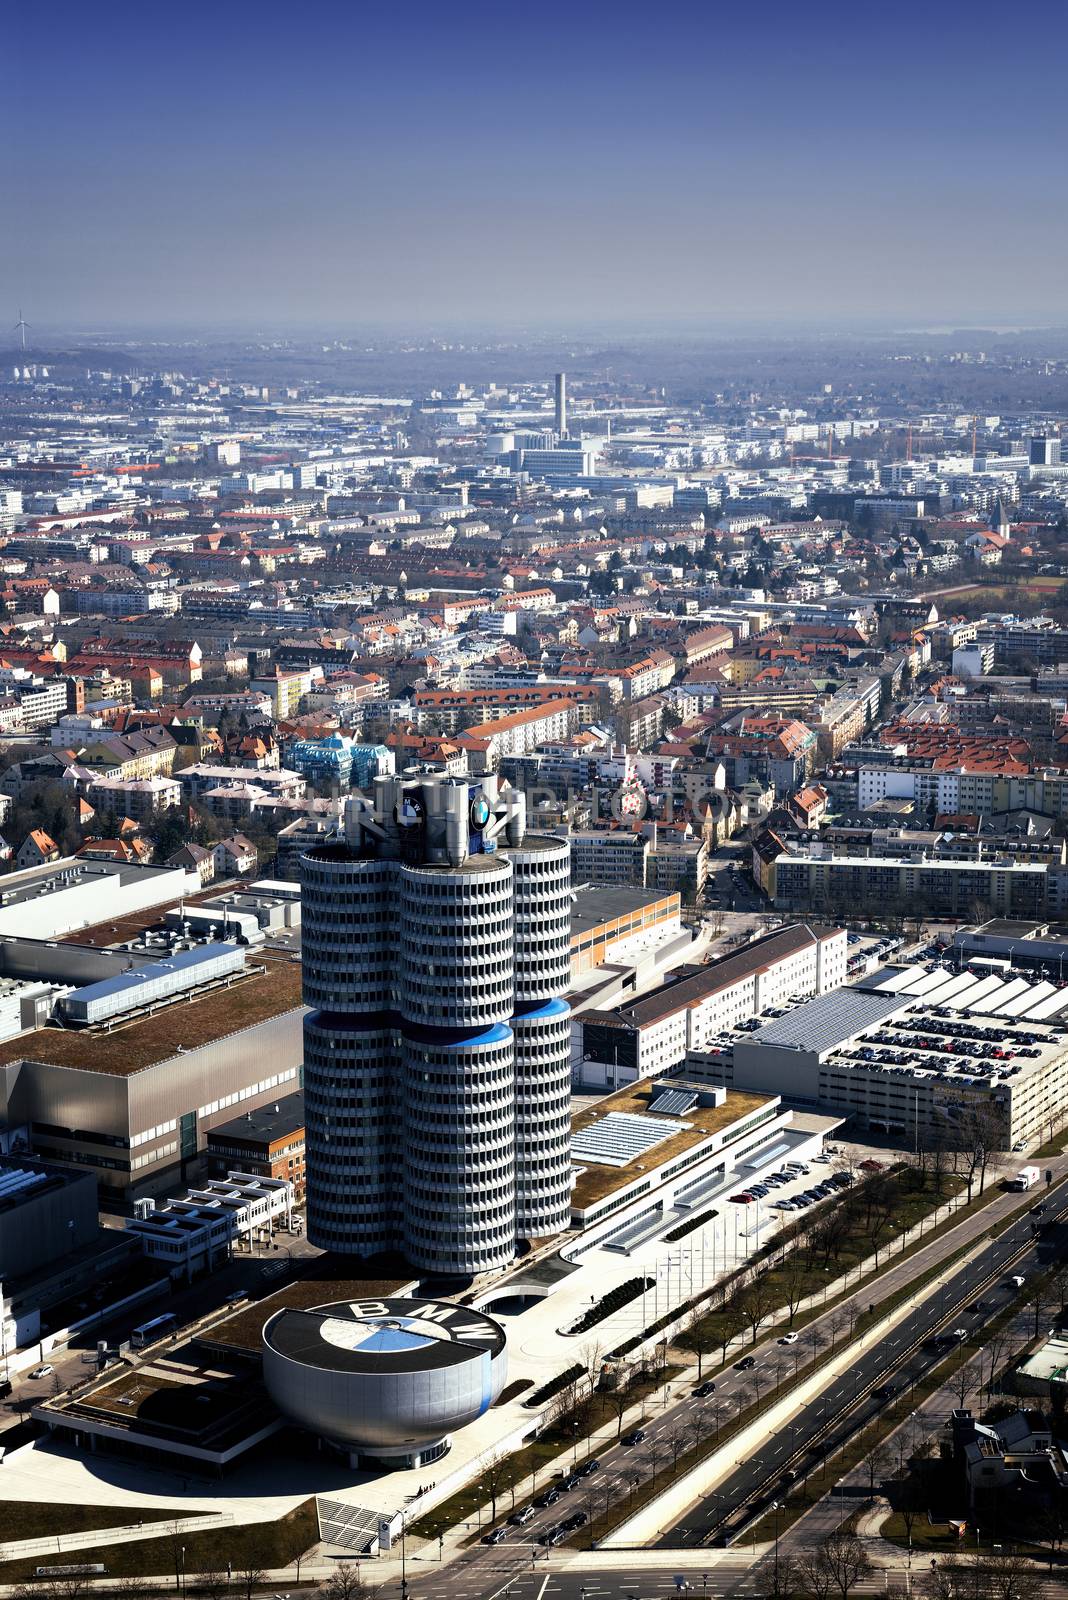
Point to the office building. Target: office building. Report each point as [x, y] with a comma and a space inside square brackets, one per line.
[1044, 451]
[268, 1142]
[437, 1056]
[654, 1034]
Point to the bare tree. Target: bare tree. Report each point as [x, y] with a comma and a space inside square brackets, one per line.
[878, 1460]
[731, 1323]
[211, 1582]
[846, 1560]
[619, 1400]
[654, 1452]
[345, 1582]
[494, 1479]
[784, 1578]
[967, 1377]
[678, 1438]
[838, 1322]
[591, 1358]
[815, 1576]
[699, 1337]
[250, 1577]
[756, 1302]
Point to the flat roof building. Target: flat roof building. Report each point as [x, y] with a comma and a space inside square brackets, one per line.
[654, 1034]
[916, 1054]
[268, 1141]
[134, 1105]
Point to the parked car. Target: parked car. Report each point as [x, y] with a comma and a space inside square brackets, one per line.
[496, 1536]
[44, 1371]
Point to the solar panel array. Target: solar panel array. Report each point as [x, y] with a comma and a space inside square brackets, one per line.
[620, 1137]
[673, 1102]
[826, 1021]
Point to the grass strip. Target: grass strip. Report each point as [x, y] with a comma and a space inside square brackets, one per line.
[246, 1546]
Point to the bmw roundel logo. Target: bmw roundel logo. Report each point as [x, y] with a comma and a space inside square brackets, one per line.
[480, 811]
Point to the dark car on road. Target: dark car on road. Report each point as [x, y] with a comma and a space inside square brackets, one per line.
[633, 1438]
[746, 1364]
[703, 1390]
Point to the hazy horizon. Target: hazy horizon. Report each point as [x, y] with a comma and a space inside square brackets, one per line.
[687, 168]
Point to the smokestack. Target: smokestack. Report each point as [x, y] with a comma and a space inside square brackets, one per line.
[561, 404]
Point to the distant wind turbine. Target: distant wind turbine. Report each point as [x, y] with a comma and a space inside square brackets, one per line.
[20, 327]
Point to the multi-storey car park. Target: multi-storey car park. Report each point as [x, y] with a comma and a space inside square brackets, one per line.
[436, 936]
[916, 1053]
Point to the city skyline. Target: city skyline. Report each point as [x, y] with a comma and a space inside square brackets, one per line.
[680, 170]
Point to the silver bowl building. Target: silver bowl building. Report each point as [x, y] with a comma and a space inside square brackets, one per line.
[385, 1380]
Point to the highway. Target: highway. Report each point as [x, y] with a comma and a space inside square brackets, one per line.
[967, 1299]
[522, 1565]
[675, 1420]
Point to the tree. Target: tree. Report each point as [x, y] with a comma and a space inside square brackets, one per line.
[494, 1479]
[731, 1322]
[793, 1280]
[345, 1582]
[699, 1337]
[591, 1357]
[619, 1400]
[678, 1437]
[784, 1580]
[250, 1577]
[845, 1559]
[878, 1460]
[967, 1377]
[815, 1576]
[211, 1583]
[979, 1576]
[755, 1301]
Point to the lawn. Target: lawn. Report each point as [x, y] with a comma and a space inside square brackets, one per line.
[41, 1519]
[256, 1545]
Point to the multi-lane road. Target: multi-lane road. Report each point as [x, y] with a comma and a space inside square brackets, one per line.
[963, 1302]
[522, 1565]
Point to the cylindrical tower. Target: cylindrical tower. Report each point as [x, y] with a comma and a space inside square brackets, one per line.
[456, 938]
[352, 1112]
[541, 870]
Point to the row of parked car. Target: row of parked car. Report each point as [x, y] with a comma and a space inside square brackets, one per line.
[790, 1173]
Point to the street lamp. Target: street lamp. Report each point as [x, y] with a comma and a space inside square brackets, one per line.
[776, 1506]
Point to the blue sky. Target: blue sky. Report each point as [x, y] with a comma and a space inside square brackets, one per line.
[348, 165]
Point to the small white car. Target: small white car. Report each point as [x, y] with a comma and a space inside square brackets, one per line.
[789, 1338]
[44, 1371]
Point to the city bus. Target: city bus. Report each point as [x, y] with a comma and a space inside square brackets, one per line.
[149, 1332]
